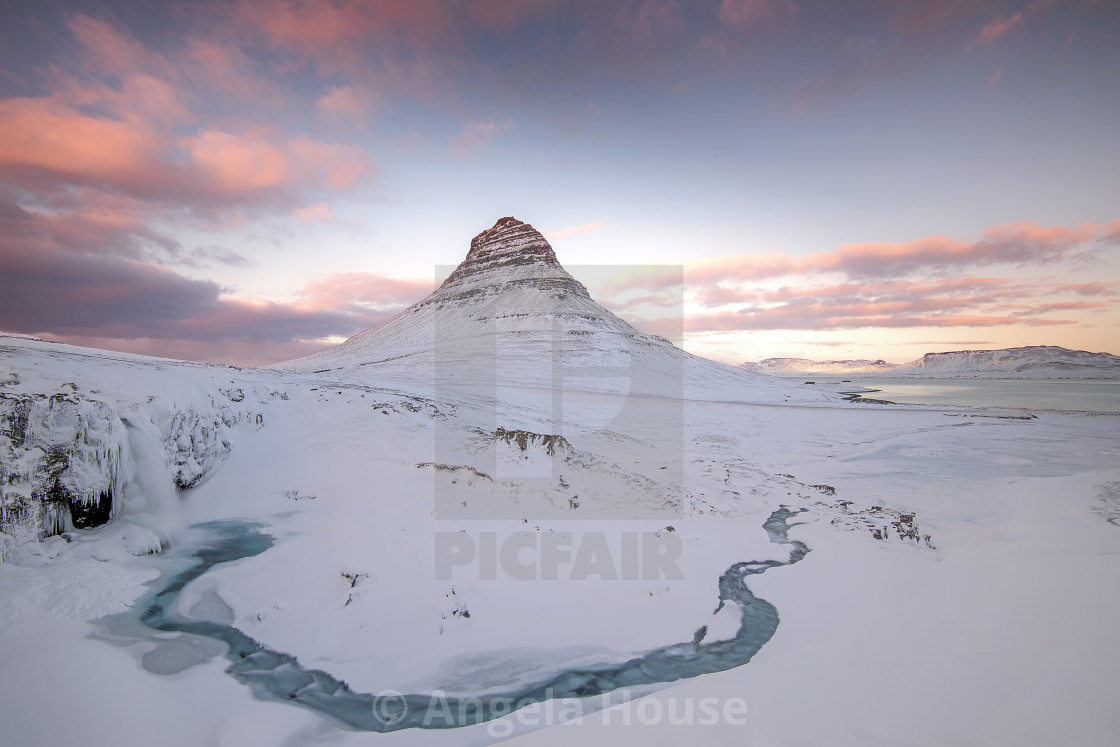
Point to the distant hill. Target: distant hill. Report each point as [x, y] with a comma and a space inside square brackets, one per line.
[1031, 362]
[789, 366]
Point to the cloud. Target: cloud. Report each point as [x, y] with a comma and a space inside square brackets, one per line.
[218, 63]
[994, 78]
[909, 284]
[577, 230]
[949, 342]
[1013, 244]
[46, 145]
[110, 50]
[345, 103]
[97, 261]
[308, 24]
[313, 213]
[754, 12]
[359, 292]
[475, 135]
[207, 256]
[805, 319]
[229, 165]
[44, 139]
[1090, 289]
[129, 304]
[914, 30]
[996, 28]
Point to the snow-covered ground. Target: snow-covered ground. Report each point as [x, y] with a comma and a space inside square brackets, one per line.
[443, 531]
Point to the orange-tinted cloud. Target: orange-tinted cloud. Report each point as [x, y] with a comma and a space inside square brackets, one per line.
[42, 137]
[44, 142]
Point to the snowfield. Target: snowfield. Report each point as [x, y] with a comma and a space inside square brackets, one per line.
[445, 508]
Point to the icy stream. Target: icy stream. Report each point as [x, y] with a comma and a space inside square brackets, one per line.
[274, 675]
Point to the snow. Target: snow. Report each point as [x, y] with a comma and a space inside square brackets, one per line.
[984, 615]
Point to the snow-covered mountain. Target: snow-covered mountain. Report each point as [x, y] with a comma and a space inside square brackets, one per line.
[511, 313]
[1031, 362]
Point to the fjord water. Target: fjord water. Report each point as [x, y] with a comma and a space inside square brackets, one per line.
[1086, 395]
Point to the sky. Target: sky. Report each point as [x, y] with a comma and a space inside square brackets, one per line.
[250, 181]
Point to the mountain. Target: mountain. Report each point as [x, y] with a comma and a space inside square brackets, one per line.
[511, 315]
[1031, 362]
[510, 284]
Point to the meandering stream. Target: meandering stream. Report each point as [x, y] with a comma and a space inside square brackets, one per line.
[275, 675]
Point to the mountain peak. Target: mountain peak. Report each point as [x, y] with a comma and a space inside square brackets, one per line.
[511, 253]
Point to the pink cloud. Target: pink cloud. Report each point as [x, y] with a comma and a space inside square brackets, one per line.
[44, 137]
[996, 28]
[754, 12]
[475, 135]
[393, 45]
[335, 166]
[958, 301]
[1090, 289]
[1013, 244]
[650, 23]
[577, 230]
[233, 165]
[345, 103]
[916, 30]
[218, 63]
[110, 50]
[360, 291]
[307, 24]
[731, 321]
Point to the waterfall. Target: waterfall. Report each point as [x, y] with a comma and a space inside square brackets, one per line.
[150, 497]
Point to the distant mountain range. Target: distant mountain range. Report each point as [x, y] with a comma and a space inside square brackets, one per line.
[1031, 362]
